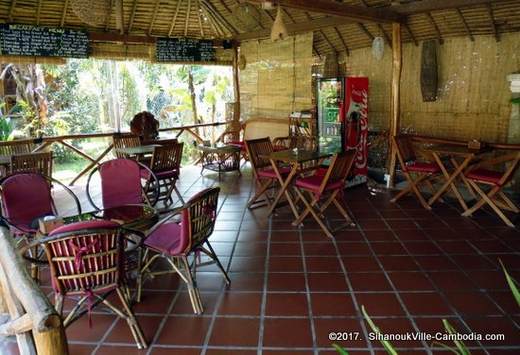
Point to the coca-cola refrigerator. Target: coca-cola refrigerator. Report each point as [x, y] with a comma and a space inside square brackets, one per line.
[342, 114]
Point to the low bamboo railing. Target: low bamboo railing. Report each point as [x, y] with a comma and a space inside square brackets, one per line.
[32, 318]
[45, 142]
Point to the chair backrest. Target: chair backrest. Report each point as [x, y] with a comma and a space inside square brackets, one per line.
[404, 148]
[256, 148]
[125, 140]
[16, 147]
[85, 256]
[514, 164]
[198, 217]
[25, 197]
[120, 183]
[167, 157]
[339, 169]
[32, 162]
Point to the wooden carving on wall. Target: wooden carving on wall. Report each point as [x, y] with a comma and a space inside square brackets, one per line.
[429, 71]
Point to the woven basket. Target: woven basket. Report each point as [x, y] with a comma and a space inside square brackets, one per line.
[92, 12]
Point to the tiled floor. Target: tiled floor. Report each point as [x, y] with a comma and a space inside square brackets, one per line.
[291, 287]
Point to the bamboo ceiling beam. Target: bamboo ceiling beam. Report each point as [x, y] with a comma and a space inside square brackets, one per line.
[64, 13]
[355, 13]
[416, 7]
[492, 21]
[107, 22]
[187, 19]
[120, 18]
[132, 17]
[328, 42]
[232, 29]
[174, 19]
[435, 27]
[212, 24]
[38, 12]
[200, 19]
[11, 11]
[294, 28]
[221, 28]
[365, 31]
[385, 35]
[154, 16]
[465, 24]
[343, 42]
[412, 36]
[322, 34]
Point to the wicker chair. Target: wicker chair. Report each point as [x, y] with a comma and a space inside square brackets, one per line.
[264, 174]
[166, 165]
[121, 184]
[328, 187]
[87, 260]
[176, 242]
[32, 162]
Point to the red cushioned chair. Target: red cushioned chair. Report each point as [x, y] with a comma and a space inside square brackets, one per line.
[87, 260]
[482, 174]
[314, 189]
[176, 242]
[424, 171]
[166, 165]
[234, 138]
[263, 172]
[122, 183]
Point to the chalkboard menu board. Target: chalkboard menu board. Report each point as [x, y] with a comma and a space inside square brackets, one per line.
[38, 41]
[184, 50]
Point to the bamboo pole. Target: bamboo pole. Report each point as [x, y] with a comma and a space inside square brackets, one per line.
[236, 85]
[395, 103]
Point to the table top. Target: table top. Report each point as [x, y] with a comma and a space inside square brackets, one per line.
[301, 156]
[226, 148]
[455, 150]
[5, 159]
[142, 149]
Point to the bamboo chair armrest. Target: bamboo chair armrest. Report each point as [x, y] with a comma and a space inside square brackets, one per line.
[168, 217]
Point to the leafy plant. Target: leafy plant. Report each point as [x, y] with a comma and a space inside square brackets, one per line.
[460, 348]
[339, 349]
[516, 100]
[386, 344]
[513, 284]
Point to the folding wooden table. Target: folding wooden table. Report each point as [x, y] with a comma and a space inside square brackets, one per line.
[295, 159]
[452, 153]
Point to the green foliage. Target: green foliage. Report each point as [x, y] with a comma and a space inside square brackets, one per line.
[339, 349]
[516, 100]
[6, 126]
[386, 344]
[513, 284]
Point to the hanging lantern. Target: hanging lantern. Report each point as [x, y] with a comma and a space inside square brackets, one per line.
[92, 12]
[279, 31]
[378, 48]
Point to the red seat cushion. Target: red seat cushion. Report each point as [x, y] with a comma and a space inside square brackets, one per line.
[484, 175]
[419, 167]
[270, 174]
[238, 144]
[145, 174]
[279, 147]
[167, 239]
[314, 182]
[93, 224]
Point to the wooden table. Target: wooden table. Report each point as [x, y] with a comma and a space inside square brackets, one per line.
[452, 153]
[140, 150]
[295, 159]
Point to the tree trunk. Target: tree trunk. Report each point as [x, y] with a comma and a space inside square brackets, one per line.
[193, 97]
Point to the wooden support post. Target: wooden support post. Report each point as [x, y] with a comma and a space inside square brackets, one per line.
[236, 85]
[395, 103]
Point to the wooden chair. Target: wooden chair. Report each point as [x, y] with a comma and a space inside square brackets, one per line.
[482, 174]
[87, 259]
[21, 146]
[176, 242]
[166, 164]
[32, 162]
[328, 187]
[125, 140]
[409, 163]
[263, 173]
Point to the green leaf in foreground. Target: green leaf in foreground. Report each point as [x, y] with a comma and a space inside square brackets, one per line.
[386, 344]
[339, 349]
[463, 350]
[513, 285]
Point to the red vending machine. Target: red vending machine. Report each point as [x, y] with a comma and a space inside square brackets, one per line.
[342, 115]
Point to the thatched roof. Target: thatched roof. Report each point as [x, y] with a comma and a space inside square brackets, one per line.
[247, 20]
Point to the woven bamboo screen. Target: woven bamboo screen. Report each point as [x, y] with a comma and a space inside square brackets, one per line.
[277, 77]
[474, 95]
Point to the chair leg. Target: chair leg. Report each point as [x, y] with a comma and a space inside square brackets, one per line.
[58, 303]
[217, 261]
[260, 191]
[343, 211]
[508, 202]
[487, 198]
[192, 288]
[132, 321]
[178, 194]
[314, 214]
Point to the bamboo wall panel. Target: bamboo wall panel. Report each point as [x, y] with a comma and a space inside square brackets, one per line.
[474, 96]
[277, 77]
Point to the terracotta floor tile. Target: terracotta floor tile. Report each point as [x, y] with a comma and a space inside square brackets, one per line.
[286, 304]
[327, 282]
[230, 351]
[121, 332]
[322, 264]
[369, 281]
[183, 303]
[472, 303]
[287, 333]
[235, 332]
[243, 281]
[353, 248]
[398, 263]
[286, 282]
[360, 263]
[332, 304]
[80, 330]
[351, 326]
[247, 264]
[285, 264]
[184, 331]
[446, 280]
[324, 248]
[411, 281]
[425, 304]
[234, 303]
[380, 304]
